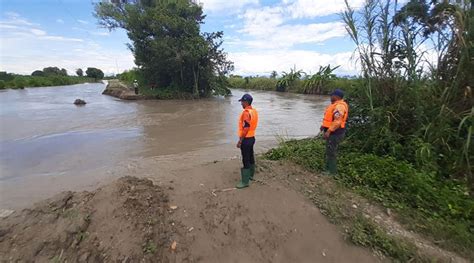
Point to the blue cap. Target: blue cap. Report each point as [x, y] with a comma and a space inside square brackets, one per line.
[338, 92]
[247, 98]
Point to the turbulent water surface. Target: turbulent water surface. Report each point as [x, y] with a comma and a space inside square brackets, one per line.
[48, 144]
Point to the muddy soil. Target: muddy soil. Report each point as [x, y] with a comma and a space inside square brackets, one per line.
[126, 221]
[134, 220]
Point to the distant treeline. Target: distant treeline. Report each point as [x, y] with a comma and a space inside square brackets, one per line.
[49, 76]
[322, 82]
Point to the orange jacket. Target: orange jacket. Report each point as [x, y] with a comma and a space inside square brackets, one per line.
[336, 115]
[249, 115]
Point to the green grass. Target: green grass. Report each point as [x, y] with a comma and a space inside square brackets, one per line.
[365, 233]
[19, 81]
[164, 94]
[149, 247]
[253, 83]
[440, 209]
[269, 84]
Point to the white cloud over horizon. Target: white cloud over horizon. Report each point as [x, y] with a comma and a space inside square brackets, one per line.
[26, 47]
[214, 6]
[263, 63]
[259, 37]
[272, 36]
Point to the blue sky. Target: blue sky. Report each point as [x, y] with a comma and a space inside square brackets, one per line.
[260, 36]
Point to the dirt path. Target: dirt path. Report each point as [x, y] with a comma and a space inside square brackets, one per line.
[131, 220]
[264, 223]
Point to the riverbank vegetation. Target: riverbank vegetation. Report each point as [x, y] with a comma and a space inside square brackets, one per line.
[172, 55]
[410, 131]
[49, 76]
[319, 83]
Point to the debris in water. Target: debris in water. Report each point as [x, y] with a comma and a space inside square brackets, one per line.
[79, 102]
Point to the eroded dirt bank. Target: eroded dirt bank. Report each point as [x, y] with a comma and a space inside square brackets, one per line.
[139, 219]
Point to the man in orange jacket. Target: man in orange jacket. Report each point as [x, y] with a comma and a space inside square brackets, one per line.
[334, 128]
[247, 125]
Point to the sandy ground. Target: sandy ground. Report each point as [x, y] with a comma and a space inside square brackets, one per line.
[263, 223]
[195, 208]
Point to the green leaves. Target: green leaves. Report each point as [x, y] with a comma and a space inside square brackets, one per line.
[316, 82]
[94, 73]
[170, 51]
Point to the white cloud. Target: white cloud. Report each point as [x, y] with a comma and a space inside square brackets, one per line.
[262, 20]
[290, 35]
[93, 32]
[23, 56]
[100, 33]
[38, 32]
[18, 28]
[26, 47]
[84, 22]
[268, 27]
[14, 19]
[262, 63]
[59, 20]
[61, 38]
[317, 8]
[228, 6]
[11, 14]
[5, 26]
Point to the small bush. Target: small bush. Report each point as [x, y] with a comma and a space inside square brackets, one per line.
[2, 84]
[19, 83]
[252, 83]
[367, 234]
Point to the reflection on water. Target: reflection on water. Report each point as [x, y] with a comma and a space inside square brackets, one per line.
[43, 133]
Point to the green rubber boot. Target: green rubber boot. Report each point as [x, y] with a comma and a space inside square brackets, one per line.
[244, 182]
[332, 166]
[252, 172]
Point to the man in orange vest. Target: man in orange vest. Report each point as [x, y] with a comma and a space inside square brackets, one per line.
[248, 122]
[334, 128]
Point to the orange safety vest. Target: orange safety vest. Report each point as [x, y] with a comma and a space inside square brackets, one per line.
[253, 122]
[329, 114]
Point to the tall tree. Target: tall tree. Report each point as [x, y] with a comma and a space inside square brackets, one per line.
[79, 72]
[169, 49]
[51, 71]
[94, 73]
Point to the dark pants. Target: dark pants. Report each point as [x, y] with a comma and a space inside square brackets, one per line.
[332, 145]
[246, 148]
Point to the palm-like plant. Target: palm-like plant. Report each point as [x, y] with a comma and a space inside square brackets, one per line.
[315, 83]
[288, 78]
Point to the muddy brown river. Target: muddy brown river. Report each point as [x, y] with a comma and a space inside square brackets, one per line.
[47, 144]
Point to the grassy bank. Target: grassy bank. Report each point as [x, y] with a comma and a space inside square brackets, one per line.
[163, 93]
[19, 81]
[439, 209]
[296, 86]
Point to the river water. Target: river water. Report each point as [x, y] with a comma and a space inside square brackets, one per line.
[47, 144]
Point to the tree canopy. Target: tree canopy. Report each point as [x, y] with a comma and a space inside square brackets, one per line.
[169, 48]
[50, 71]
[94, 73]
[79, 72]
